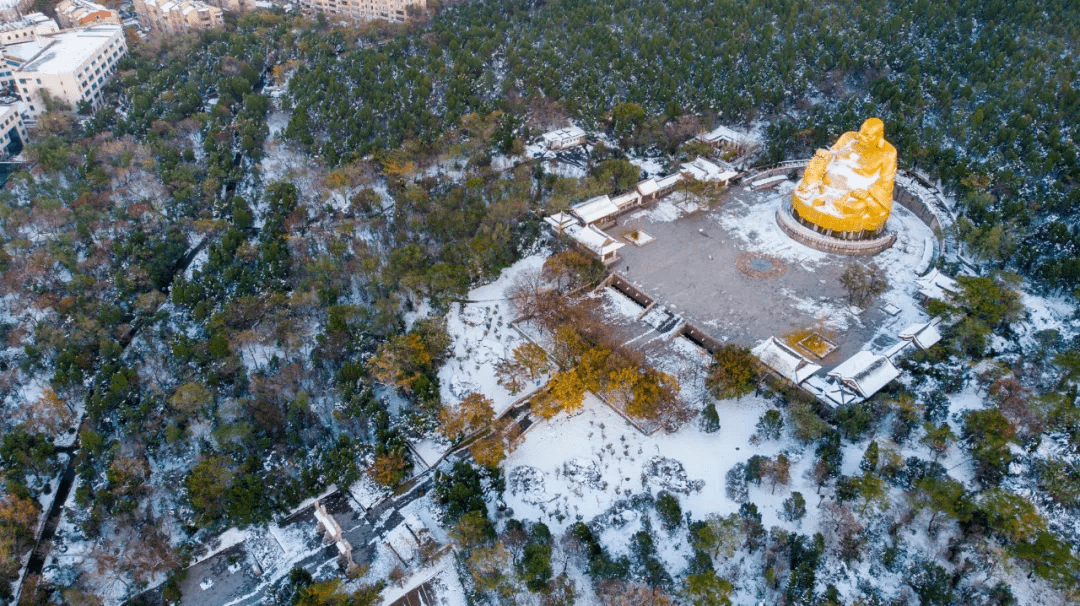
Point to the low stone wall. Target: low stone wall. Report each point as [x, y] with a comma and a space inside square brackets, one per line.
[781, 169]
[701, 338]
[625, 287]
[809, 237]
[917, 206]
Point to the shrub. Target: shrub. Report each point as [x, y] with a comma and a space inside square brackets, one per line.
[770, 425]
[736, 483]
[669, 510]
[710, 420]
[793, 507]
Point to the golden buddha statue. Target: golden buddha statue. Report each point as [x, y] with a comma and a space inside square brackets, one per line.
[849, 189]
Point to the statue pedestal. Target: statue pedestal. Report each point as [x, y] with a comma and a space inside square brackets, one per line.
[785, 218]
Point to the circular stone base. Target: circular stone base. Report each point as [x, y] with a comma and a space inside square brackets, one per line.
[853, 248]
[760, 267]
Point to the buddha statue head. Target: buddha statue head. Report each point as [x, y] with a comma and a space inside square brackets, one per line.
[872, 133]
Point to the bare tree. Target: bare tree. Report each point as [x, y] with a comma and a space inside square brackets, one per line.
[863, 283]
[525, 292]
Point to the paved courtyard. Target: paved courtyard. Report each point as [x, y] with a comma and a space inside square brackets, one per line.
[731, 272]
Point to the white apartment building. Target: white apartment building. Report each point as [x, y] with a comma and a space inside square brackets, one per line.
[362, 10]
[234, 6]
[11, 127]
[72, 66]
[12, 10]
[177, 16]
[27, 28]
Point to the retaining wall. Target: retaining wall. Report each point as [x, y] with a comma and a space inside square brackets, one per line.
[625, 287]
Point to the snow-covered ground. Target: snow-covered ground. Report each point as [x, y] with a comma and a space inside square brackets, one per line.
[482, 336]
[574, 468]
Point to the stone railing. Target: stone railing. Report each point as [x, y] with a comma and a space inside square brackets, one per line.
[855, 248]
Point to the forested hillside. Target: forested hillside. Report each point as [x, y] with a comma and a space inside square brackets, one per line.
[236, 272]
[982, 94]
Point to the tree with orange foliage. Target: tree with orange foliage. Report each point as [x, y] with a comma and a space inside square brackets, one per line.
[473, 413]
[654, 393]
[592, 365]
[570, 345]
[18, 518]
[390, 468]
[566, 392]
[329, 593]
[400, 361]
[630, 593]
[489, 451]
[529, 361]
[48, 415]
[571, 269]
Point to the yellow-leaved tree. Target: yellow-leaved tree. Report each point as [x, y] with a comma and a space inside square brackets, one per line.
[390, 468]
[566, 392]
[488, 451]
[48, 415]
[654, 394]
[400, 361]
[472, 414]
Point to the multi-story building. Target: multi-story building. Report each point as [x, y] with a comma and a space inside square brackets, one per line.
[177, 16]
[234, 6]
[362, 10]
[80, 13]
[27, 28]
[12, 129]
[12, 10]
[69, 66]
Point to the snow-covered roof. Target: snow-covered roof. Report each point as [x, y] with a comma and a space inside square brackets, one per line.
[560, 221]
[402, 541]
[79, 8]
[721, 134]
[28, 21]
[669, 181]
[935, 284]
[563, 136]
[328, 522]
[923, 335]
[628, 199]
[24, 51]
[896, 349]
[647, 187]
[784, 360]
[767, 181]
[594, 239]
[865, 372]
[415, 525]
[596, 209]
[704, 170]
[67, 51]
[831, 392]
